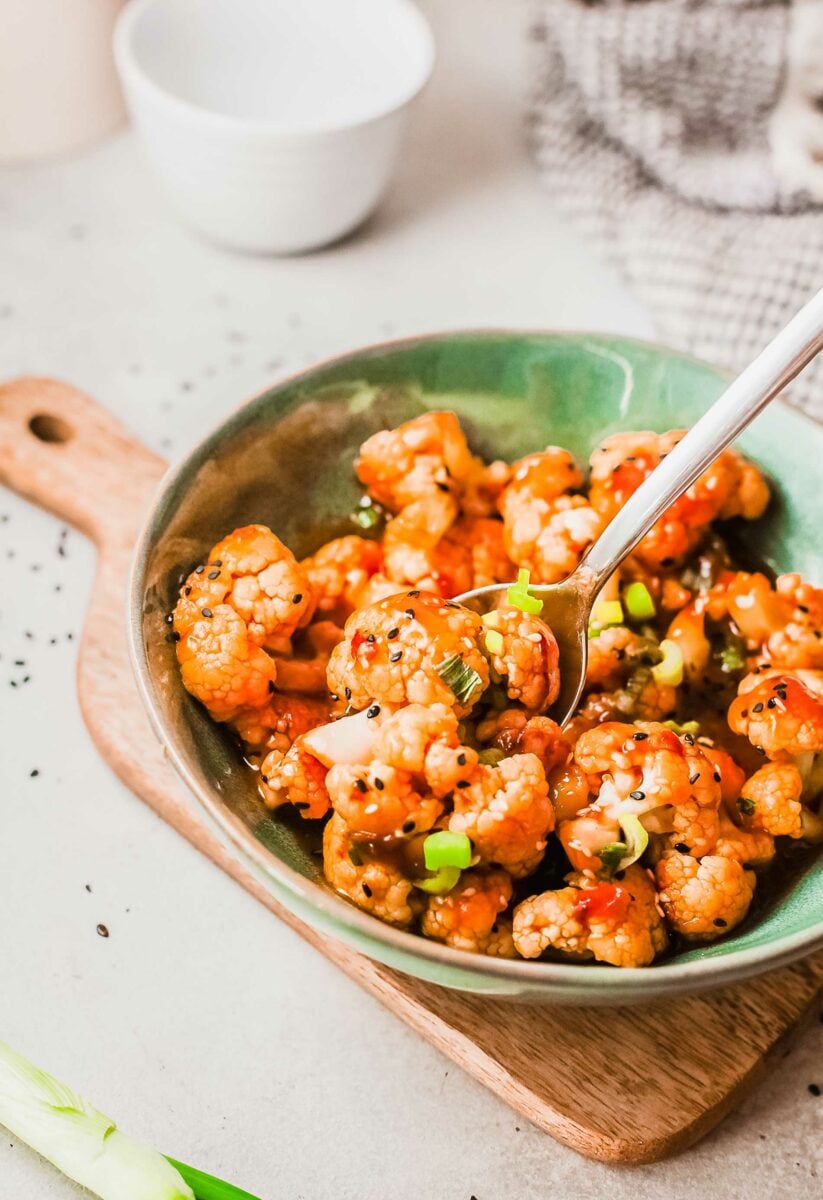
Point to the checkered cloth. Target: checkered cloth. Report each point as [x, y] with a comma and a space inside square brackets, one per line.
[685, 139]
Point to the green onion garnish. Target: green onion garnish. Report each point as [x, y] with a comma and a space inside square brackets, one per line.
[447, 849]
[494, 642]
[611, 855]
[607, 612]
[639, 603]
[670, 669]
[461, 678]
[491, 757]
[439, 884]
[745, 805]
[690, 727]
[519, 596]
[636, 838]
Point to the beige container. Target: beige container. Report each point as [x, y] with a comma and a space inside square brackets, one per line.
[58, 85]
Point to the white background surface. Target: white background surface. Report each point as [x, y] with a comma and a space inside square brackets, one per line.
[201, 1024]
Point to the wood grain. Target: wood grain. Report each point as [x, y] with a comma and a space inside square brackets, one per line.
[622, 1085]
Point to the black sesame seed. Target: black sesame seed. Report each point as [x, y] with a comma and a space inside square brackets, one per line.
[716, 777]
[666, 562]
[392, 634]
[174, 636]
[396, 656]
[461, 760]
[408, 827]
[199, 570]
[688, 739]
[443, 487]
[373, 711]
[33, 773]
[744, 713]
[20, 662]
[366, 890]
[802, 608]
[410, 612]
[637, 795]
[302, 805]
[757, 708]
[370, 637]
[272, 688]
[102, 931]
[682, 848]
[379, 784]
[620, 875]
[463, 783]
[297, 597]
[694, 778]
[347, 693]
[413, 594]
[720, 923]
[640, 737]
[215, 574]
[207, 612]
[187, 591]
[815, 1089]
[771, 702]
[332, 696]
[361, 785]
[218, 562]
[760, 750]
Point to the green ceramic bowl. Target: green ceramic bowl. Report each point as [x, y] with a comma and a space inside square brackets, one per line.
[285, 459]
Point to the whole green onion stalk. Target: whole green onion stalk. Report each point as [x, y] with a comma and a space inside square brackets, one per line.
[88, 1147]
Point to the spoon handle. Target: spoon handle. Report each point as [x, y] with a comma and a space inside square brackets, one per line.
[775, 366]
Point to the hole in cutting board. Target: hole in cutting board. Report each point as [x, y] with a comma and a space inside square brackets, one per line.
[48, 428]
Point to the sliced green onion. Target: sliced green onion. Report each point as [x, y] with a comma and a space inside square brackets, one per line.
[461, 678]
[636, 837]
[494, 642]
[491, 619]
[519, 596]
[670, 669]
[745, 805]
[690, 727]
[79, 1140]
[447, 849]
[612, 855]
[491, 757]
[207, 1187]
[439, 884]
[607, 612]
[639, 603]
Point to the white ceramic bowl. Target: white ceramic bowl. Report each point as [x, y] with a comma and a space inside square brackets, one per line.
[272, 124]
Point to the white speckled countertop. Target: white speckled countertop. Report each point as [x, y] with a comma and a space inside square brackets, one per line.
[201, 1023]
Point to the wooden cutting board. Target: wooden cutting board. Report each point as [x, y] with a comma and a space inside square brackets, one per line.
[558, 1067]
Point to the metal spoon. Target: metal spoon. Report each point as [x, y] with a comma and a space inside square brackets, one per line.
[567, 605]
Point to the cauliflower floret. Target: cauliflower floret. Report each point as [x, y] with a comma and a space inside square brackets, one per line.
[370, 881]
[770, 800]
[640, 767]
[704, 899]
[392, 650]
[340, 570]
[730, 487]
[378, 801]
[549, 537]
[280, 722]
[506, 812]
[614, 654]
[297, 778]
[696, 823]
[783, 623]
[751, 847]
[515, 732]
[528, 658]
[467, 917]
[422, 457]
[470, 554]
[250, 595]
[617, 923]
[780, 712]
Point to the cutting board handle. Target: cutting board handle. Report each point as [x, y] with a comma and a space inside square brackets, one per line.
[61, 450]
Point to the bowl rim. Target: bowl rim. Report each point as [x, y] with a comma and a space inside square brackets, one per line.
[133, 72]
[352, 924]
